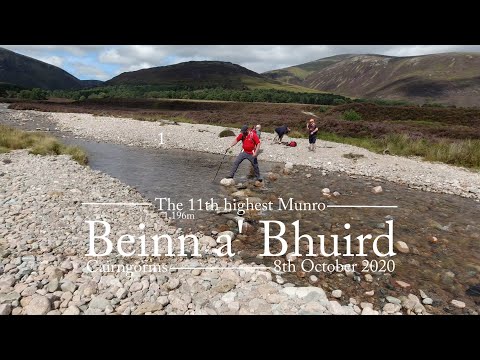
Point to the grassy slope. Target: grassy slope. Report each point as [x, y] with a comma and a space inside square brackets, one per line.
[255, 83]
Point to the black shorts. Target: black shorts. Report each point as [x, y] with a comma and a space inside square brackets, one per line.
[312, 139]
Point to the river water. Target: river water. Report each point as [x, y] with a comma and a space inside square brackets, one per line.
[442, 231]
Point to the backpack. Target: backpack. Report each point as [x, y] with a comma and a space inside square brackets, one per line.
[292, 143]
[249, 135]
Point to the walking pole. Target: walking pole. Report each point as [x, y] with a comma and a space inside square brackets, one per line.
[220, 165]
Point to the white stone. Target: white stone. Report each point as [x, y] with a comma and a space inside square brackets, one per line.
[68, 285]
[402, 247]
[121, 293]
[457, 303]
[5, 309]
[427, 301]
[368, 278]
[38, 305]
[369, 311]
[337, 293]
[302, 292]
[72, 310]
[390, 308]
[229, 297]
[173, 283]
[227, 182]
[136, 286]
[377, 190]
[335, 308]
[290, 257]
[98, 302]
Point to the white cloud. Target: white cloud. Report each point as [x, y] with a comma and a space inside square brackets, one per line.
[90, 72]
[112, 56]
[53, 60]
[134, 67]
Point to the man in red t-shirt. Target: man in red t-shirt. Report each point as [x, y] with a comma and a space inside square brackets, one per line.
[251, 146]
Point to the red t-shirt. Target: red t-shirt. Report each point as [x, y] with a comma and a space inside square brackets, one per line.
[250, 141]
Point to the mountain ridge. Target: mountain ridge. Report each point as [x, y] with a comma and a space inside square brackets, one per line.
[450, 78]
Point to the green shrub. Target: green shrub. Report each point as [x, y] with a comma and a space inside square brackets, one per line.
[351, 115]
[338, 102]
[13, 139]
[226, 133]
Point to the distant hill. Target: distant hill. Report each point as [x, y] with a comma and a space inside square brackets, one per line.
[91, 83]
[27, 72]
[201, 74]
[450, 78]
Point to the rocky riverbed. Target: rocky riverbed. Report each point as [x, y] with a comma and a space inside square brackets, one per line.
[44, 240]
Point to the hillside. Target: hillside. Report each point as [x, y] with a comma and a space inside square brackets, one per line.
[450, 78]
[91, 83]
[27, 72]
[201, 74]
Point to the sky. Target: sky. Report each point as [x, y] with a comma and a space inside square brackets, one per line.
[102, 62]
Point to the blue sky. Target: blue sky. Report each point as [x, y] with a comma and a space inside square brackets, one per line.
[103, 62]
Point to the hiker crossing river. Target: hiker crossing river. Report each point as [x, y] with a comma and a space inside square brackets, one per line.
[250, 150]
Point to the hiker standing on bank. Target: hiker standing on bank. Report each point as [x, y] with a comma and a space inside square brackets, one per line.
[258, 130]
[250, 149]
[312, 134]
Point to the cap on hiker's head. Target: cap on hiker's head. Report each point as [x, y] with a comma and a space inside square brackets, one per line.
[244, 128]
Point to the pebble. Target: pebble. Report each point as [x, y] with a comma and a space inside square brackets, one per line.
[427, 301]
[457, 303]
[5, 309]
[38, 305]
[393, 300]
[402, 247]
[337, 293]
[173, 283]
[402, 284]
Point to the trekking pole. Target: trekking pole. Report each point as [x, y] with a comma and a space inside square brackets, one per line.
[220, 165]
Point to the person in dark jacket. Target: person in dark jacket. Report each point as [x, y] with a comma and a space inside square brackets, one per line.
[312, 130]
[281, 131]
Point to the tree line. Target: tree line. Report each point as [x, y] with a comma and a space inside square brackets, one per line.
[149, 91]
